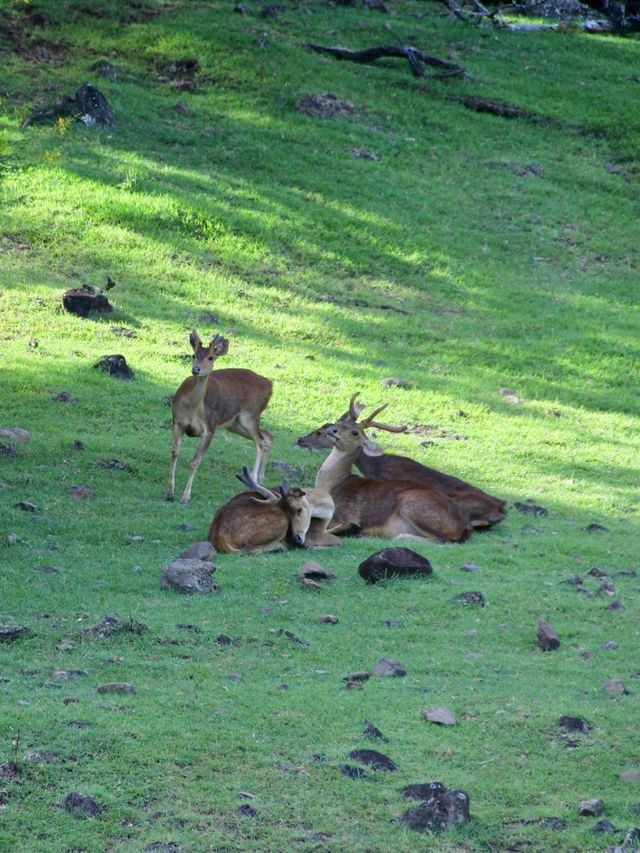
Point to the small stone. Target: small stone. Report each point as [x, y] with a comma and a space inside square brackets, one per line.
[114, 365]
[359, 675]
[547, 637]
[423, 790]
[9, 771]
[531, 509]
[81, 805]
[389, 667]
[575, 724]
[591, 808]
[245, 810]
[186, 526]
[373, 732]
[121, 688]
[70, 700]
[199, 551]
[65, 645]
[616, 606]
[307, 583]
[65, 397]
[475, 599]
[470, 567]
[603, 825]
[8, 450]
[314, 571]
[610, 646]
[615, 686]
[329, 619]
[12, 632]
[393, 623]
[14, 433]
[27, 506]
[224, 640]
[510, 396]
[235, 676]
[630, 776]
[395, 382]
[596, 528]
[632, 838]
[441, 716]
[12, 538]
[374, 759]
[443, 810]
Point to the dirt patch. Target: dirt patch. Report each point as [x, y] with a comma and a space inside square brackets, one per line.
[324, 105]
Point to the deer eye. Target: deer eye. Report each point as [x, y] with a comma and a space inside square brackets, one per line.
[354, 432]
[210, 358]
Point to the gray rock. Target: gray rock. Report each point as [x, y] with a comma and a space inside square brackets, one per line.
[548, 640]
[199, 551]
[443, 810]
[14, 433]
[441, 716]
[121, 688]
[115, 365]
[591, 808]
[190, 576]
[423, 790]
[389, 667]
[615, 686]
[81, 805]
[475, 599]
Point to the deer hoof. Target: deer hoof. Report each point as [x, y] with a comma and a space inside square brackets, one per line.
[185, 501]
[169, 497]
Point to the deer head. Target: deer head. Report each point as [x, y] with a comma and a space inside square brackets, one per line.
[204, 357]
[348, 435]
[292, 502]
[318, 439]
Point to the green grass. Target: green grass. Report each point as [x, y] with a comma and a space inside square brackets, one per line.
[246, 208]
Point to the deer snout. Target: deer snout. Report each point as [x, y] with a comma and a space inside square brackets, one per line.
[299, 538]
[195, 370]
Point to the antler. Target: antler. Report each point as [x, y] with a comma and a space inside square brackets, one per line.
[369, 422]
[247, 480]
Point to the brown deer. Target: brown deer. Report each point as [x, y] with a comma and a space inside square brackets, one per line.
[389, 508]
[483, 509]
[261, 519]
[232, 399]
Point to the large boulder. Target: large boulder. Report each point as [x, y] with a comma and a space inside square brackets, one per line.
[190, 576]
[393, 562]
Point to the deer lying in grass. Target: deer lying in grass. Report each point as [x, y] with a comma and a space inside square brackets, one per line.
[261, 519]
[232, 399]
[483, 509]
[389, 508]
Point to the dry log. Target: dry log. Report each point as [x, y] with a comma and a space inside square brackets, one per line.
[416, 58]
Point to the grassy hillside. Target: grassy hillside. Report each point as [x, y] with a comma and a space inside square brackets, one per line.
[491, 264]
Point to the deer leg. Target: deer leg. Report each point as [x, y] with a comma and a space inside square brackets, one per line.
[272, 547]
[205, 441]
[175, 451]
[264, 443]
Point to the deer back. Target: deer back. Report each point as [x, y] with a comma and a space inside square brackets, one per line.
[234, 390]
[247, 521]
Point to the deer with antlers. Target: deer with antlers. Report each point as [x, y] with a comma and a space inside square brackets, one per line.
[261, 519]
[232, 399]
[483, 509]
[389, 508]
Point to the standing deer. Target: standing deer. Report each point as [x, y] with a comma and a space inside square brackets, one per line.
[261, 519]
[232, 399]
[483, 509]
[389, 508]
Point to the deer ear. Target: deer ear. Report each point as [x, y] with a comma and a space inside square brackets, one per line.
[371, 448]
[220, 345]
[194, 340]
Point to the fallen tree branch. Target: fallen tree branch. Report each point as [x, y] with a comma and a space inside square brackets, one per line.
[414, 57]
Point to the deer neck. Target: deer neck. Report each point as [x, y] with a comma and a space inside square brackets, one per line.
[195, 396]
[335, 468]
